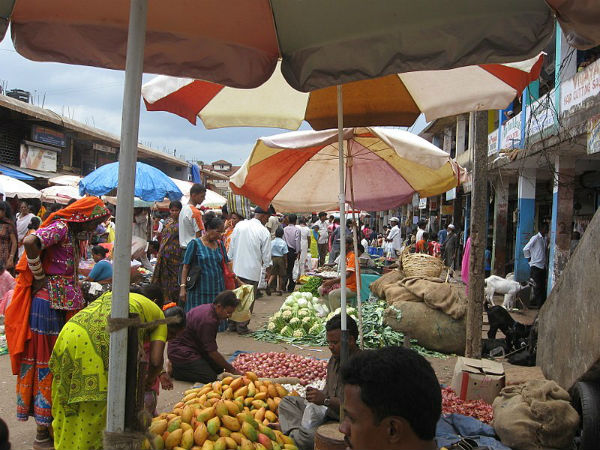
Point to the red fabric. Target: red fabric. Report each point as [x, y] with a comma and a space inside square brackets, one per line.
[515, 78]
[197, 215]
[17, 313]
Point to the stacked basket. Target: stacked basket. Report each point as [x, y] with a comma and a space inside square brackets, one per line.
[420, 264]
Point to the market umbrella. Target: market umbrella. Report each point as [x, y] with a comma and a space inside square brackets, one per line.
[392, 100]
[212, 199]
[151, 184]
[294, 171]
[16, 188]
[60, 194]
[65, 180]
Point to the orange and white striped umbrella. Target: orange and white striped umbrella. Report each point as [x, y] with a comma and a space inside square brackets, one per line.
[392, 100]
[298, 171]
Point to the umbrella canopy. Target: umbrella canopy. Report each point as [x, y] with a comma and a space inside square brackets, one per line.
[16, 188]
[151, 184]
[238, 42]
[392, 100]
[299, 170]
[60, 194]
[65, 180]
[212, 199]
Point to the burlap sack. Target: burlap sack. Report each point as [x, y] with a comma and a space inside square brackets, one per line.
[535, 415]
[396, 292]
[377, 286]
[437, 295]
[431, 328]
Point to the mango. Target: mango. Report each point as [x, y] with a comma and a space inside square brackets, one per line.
[189, 391]
[251, 389]
[200, 434]
[246, 380]
[231, 423]
[227, 394]
[206, 414]
[276, 445]
[259, 446]
[236, 384]
[224, 432]
[279, 436]
[252, 376]
[248, 401]
[179, 448]
[186, 426]
[272, 391]
[196, 447]
[212, 401]
[221, 408]
[174, 424]
[281, 391]
[267, 432]
[158, 443]
[213, 395]
[187, 397]
[249, 431]
[237, 437]
[271, 416]
[247, 417]
[271, 405]
[246, 445]
[241, 392]
[260, 396]
[186, 415]
[171, 416]
[226, 381]
[177, 411]
[287, 440]
[264, 440]
[262, 389]
[217, 386]
[257, 404]
[158, 426]
[290, 447]
[213, 425]
[220, 444]
[230, 443]
[205, 389]
[277, 401]
[187, 440]
[202, 399]
[173, 439]
[260, 415]
[208, 445]
[232, 407]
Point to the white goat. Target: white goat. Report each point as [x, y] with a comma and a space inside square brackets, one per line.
[498, 285]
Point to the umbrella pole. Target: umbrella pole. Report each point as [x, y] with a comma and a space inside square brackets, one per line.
[115, 414]
[356, 260]
[342, 263]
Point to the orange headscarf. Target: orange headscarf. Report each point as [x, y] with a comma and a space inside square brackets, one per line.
[17, 314]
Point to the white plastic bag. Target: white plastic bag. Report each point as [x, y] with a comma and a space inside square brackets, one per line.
[262, 283]
[296, 271]
[314, 415]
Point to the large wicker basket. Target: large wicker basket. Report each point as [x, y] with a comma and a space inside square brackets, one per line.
[421, 264]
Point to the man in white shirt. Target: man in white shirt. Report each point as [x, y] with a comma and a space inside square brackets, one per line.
[321, 226]
[394, 237]
[420, 229]
[272, 225]
[190, 217]
[250, 251]
[535, 251]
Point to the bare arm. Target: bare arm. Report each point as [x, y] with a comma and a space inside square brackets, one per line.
[157, 350]
[13, 250]
[222, 362]
[182, 291]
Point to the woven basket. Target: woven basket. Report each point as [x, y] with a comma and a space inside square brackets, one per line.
[421, 264]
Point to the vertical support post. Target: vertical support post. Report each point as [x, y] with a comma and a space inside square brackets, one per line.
[467, 216]
[500, 227]
[562, 215]
[557, 70]
[525, 223]
[478, 235]
[115, 413]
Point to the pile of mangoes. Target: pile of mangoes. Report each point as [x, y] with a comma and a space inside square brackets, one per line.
[229, 414]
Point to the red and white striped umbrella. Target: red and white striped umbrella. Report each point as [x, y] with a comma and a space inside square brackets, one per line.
[392, 100]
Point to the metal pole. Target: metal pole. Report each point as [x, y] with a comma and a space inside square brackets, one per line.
[115, 414]
[356, 255]
[342, 263]
[478, 138]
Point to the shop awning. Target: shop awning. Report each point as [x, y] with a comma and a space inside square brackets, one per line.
[14, 173]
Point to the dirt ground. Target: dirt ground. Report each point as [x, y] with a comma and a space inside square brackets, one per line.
[23, 433]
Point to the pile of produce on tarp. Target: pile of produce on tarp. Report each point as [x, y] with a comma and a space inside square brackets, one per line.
[232, 413]
[280, 364]
[453, 404]
[302, 318]
[310, 284]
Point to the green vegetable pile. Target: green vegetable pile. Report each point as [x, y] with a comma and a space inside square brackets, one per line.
[312, 286]
[287, 325]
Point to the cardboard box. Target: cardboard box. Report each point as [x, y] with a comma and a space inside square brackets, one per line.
[478, 379]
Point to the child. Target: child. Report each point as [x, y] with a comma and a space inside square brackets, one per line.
[7, 284]
[279, 251]
[422, 245]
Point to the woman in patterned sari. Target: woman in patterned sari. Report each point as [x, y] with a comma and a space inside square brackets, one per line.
[46, 296]
[79, 365]
[170, 254]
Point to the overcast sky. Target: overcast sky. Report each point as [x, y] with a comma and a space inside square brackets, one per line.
[94, 96]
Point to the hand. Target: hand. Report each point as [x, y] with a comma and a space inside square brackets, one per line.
[165, 381]
[314, 395]
[182, 294]
[9, 264]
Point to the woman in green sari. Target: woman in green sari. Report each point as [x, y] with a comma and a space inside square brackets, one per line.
[79, 364]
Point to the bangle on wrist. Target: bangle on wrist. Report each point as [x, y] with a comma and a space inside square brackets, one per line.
[33, 260]
[182, 285]
[39, 276]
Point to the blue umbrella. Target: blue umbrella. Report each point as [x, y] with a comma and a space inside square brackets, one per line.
[151, 184]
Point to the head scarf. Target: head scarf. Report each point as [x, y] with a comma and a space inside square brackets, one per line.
[17, 314]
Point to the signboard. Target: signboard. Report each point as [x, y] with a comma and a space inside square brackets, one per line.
[447, 210]
[493, 142]
[511, 133]
[593, 137]
[580, 87]
[48, 136]
[540, 114]
[38, 158]
[422, 203]
[451, 194]
[104, 148]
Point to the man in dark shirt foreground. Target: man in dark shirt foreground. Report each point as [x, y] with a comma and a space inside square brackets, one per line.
[194, 355]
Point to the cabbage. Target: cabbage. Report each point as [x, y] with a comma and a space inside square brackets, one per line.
[286, 331]
[298, 333]
[302, 302]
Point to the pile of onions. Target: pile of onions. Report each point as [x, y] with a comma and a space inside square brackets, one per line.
[278, 364]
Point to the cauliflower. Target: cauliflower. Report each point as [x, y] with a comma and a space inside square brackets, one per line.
[304, 312]
[287, 315]
[271, 326]
[295, 322]
[298, 333]
[286, 331]
[316, 329]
